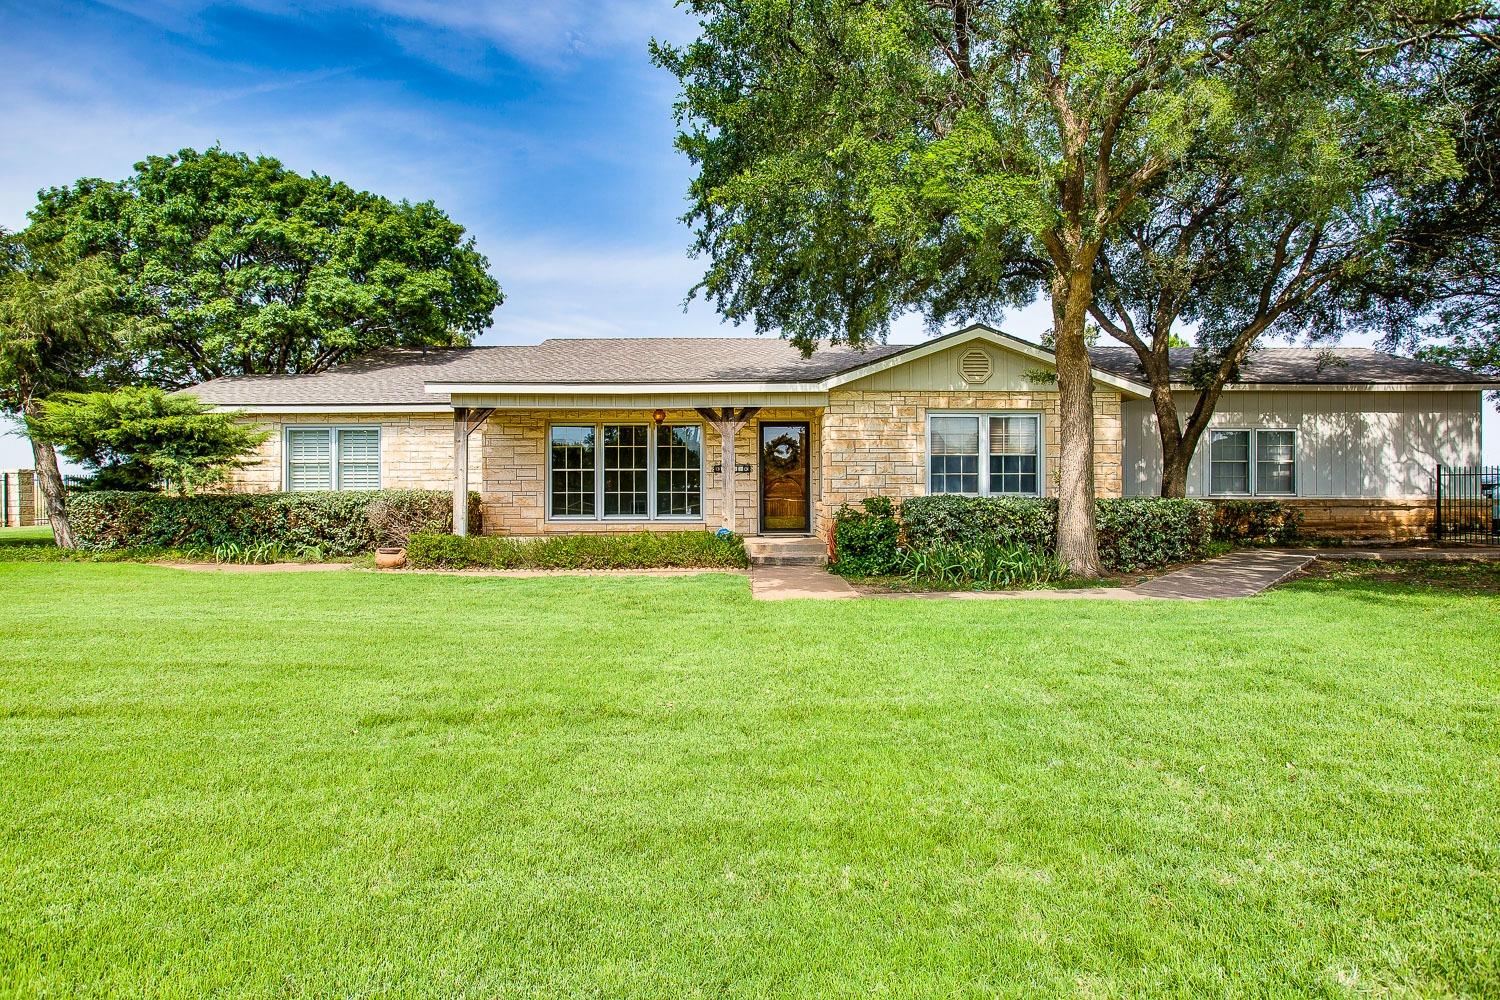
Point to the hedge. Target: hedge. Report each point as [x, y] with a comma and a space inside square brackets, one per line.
[1256, 522]
[338, 524]
[636, 550]
[1134, 533]
[867, 539]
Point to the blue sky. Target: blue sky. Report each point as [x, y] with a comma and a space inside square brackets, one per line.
[541, 127]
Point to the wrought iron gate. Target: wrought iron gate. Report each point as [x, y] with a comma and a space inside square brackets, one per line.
[1468, 504]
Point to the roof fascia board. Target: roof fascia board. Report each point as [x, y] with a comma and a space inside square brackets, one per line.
[359, 408]
[1345, 386]
[617, 388]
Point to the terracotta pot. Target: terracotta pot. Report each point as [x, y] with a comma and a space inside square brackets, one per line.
[390, 558]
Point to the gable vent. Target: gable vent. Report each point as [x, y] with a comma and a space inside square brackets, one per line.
[975, 366]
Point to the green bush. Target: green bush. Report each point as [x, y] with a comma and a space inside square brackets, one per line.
[637, 550]
[867, 540]
[1256, 522]
[984, 563]
[1145, 532]
[333, 524]
[1134, 533]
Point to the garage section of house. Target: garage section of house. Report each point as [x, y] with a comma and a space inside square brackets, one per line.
[589, 435]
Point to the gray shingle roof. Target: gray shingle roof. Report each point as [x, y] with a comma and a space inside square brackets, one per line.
[1302, 366]
[398, 377]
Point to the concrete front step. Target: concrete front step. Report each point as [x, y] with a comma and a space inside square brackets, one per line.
[795, 550]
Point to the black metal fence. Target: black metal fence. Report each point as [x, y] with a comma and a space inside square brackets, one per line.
[1468, 504]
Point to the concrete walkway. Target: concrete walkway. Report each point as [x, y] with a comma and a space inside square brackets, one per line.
[1242, 573]
[780, 583]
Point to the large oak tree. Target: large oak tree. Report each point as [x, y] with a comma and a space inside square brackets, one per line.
[857, 160]
[233, 265]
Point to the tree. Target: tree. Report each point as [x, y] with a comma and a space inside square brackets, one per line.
[1438, 294]
[231, 265]
[56, 333]
[141, 438]
[858, 160]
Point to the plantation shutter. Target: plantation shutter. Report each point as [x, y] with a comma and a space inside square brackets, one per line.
[308, 459]
[359, 458]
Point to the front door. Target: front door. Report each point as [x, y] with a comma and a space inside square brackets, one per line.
[784, 501]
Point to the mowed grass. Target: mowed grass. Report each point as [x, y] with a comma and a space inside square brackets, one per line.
[359, 785]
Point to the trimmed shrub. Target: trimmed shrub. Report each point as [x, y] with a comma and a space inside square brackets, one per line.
[637, 550]
[1134, 533]
[1145, 532]
[334, 524]
[867, 540]
[1256, 522]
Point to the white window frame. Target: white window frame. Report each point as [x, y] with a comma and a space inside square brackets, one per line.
[984, 450]
[651, 514]
[333, 431]
[1252, 478]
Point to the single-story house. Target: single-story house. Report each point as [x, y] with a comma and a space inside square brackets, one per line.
[582, 435]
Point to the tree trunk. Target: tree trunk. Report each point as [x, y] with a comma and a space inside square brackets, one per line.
[1077, 544]
[54, 494]
[1174, 460]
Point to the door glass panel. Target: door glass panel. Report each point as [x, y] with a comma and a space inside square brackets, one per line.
[783, 463]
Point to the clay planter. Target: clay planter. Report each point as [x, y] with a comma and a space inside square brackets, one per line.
[390, 558]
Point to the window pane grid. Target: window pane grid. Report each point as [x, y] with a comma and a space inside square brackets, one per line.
[679, 471]
[625, 470]
[309, 463]
[1275, 462]
[359, 458]
[954, 451]
[573, 461]
[1229, 462]
[1013, 454]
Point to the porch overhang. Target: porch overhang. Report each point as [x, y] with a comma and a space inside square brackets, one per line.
[629, 396]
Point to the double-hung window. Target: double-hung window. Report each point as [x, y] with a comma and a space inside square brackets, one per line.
[625, 471]
[980, 454]
[332, 458]
[1246, 462]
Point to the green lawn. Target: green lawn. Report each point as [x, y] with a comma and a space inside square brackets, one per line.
[358, 785]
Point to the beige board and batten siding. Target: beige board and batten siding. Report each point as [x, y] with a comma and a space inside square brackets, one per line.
[416, 450]
[875, 429]
[1351, 443]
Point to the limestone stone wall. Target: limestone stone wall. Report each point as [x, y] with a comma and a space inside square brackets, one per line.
[875, 442]
[515, 470]
[416, 451]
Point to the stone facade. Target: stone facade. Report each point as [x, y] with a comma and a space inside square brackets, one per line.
[863, 443]
[514, 450]
[875, 442]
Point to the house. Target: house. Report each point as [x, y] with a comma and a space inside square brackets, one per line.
[584, 435]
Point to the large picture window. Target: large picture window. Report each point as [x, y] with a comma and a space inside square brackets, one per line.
[332, 458]
[625, 471]
[1010, 444]
[1244, 462]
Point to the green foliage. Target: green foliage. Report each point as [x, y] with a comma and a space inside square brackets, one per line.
[234, 265]
[636, 550]
[144, 439]
[956, 520]
[985, 563]
[1134, 533]
[1256, 522]
[867, 541]
[336, 524]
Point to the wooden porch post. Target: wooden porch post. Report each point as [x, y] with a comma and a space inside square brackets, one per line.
[727, 421]
[465, 422]
[460, 470]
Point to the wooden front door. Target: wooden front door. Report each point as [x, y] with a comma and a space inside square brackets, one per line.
[785, 500]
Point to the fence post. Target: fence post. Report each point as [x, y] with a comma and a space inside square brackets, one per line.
[1438, 523]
